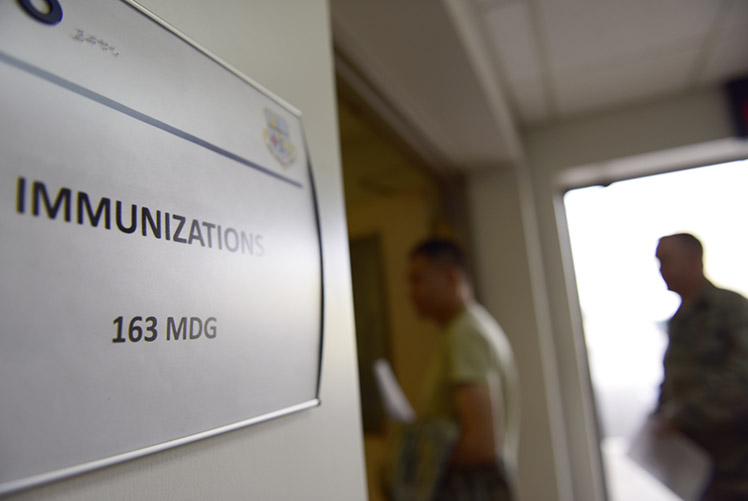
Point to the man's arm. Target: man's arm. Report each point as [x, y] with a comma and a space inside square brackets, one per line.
[478, 413]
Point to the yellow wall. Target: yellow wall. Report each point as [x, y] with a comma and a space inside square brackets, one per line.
[399, 223]
[389, 196]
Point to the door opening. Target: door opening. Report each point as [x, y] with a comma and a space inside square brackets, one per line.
[625, 305]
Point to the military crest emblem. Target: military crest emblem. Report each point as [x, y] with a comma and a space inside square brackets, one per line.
[278, 139]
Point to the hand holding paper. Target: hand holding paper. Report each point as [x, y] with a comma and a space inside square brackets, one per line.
[395, 401]
[673, 459]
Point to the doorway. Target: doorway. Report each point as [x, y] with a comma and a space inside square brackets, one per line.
[625, 305]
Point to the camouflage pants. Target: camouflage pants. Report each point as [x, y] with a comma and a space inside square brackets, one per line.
[729, 480]
[485, 483]
[717, 493]
[727, 488]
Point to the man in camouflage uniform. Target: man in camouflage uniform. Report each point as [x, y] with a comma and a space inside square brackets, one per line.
[704, 394]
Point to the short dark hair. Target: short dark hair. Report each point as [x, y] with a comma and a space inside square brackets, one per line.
[443, 252]
[689, 243]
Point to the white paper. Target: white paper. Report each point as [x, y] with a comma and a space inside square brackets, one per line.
[672, 459]
[395, 401]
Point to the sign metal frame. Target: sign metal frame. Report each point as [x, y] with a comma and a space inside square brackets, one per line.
[34, 480]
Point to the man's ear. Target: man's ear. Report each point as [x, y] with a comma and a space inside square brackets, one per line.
[696, 261]
[455, 275]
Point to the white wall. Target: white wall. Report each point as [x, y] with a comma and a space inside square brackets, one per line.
[316, 454]
[503, 263]
[525, 273]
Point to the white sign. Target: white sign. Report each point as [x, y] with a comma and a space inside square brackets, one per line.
[160, 258]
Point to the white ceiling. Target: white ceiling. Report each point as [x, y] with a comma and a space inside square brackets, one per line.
[565, 58]
[466, 76]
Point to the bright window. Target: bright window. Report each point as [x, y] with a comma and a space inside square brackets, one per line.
[625, 305]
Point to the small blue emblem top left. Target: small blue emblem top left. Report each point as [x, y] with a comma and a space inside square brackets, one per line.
[52, 15]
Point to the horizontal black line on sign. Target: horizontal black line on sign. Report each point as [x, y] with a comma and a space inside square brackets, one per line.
[142, 117]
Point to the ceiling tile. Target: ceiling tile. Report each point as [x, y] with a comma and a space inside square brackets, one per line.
[728, 58]
[529, 102]
[736, 23]
[624, 83]
[493, 4]
[511, 34]
[582, 34]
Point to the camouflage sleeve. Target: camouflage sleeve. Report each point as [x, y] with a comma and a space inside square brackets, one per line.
[661, 399]
[721, 396]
